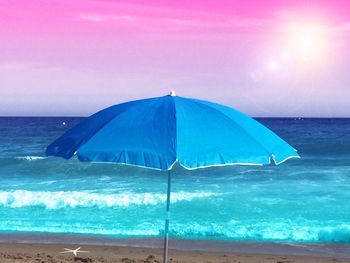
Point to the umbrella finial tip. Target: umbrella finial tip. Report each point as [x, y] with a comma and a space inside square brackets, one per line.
[172, 93]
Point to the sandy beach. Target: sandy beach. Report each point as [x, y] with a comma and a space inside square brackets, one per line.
[51, 253]
[48, 247]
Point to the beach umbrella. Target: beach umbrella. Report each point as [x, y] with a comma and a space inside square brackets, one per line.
[160, 132]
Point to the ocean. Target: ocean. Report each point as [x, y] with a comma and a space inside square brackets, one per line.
[301, 200]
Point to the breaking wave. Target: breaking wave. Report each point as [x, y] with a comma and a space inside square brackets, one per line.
[31, 158]
[64, 199]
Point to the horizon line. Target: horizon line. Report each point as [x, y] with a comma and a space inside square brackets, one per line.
[79, 116]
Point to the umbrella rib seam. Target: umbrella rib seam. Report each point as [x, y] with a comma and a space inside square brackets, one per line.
[175, 137]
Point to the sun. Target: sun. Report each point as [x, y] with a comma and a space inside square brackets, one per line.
[307, 41]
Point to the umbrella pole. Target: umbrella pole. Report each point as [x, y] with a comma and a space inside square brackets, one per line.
[166, 235]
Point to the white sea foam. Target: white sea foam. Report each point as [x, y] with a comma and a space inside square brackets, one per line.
[30, 158]
[235, 230]
[63, 199]
[78, 228]
[265, 231]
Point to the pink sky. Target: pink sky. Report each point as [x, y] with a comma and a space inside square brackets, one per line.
[74, 57]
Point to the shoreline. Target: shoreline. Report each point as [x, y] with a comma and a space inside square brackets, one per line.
[321, 250]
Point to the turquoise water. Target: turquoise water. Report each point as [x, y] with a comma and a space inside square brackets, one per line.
[304, 200]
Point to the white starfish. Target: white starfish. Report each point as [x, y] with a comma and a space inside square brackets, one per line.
[74, 251]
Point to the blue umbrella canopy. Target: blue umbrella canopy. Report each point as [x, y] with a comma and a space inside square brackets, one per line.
[159, 132]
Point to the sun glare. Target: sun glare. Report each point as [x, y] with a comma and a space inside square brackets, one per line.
[272, 65]
[300, 47]
[285, 56]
